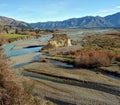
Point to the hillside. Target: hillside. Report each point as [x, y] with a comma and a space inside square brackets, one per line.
[12, 22]
[114, 19]
[84, 22]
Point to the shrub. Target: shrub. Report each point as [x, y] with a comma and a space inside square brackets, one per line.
[13, 90]
[94, 58]
[10, 91]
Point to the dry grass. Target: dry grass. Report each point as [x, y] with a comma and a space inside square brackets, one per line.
[102, 41]
[11, 92]
[98, 50]
[15, 90]
[92, 58]
[3, 40]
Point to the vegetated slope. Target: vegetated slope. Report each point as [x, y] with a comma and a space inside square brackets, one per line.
[84, 22]
[12, 22]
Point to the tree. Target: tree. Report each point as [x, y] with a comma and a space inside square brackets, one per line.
[16, 31]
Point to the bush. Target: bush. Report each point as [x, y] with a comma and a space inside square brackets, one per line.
[16, 91]
[93, 58]
[10, 90]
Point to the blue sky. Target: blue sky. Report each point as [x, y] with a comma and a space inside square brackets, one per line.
[56, 10]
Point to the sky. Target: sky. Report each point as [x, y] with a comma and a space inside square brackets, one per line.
[56, 10]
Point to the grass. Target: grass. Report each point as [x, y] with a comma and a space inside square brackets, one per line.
[3, 40]
[10, 36]
[102, 42]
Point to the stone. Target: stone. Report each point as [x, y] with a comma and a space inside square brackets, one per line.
[58, 40]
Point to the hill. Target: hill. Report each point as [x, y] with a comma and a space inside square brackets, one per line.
[12, 22]
[84, 22]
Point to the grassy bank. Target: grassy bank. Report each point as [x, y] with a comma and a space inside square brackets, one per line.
[15, 37]
[9, 36]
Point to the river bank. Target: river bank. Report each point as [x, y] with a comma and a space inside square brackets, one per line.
[60, 84]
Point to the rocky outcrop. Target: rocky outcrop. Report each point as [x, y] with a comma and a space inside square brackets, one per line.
[58, 40]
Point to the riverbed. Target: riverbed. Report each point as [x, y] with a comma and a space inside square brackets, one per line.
[61, 82]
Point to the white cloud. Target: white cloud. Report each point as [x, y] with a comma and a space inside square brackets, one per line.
[111, 10]
[118, 7]
[106, 10]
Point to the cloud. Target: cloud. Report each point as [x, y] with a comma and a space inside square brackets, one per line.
[118, 7]
[106, 10]
[115, 9]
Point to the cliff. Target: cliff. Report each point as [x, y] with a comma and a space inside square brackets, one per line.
[58, 40]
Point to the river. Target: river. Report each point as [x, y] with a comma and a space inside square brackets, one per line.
[26, 51]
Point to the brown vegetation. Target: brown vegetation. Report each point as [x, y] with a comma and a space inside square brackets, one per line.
[98, 50]
[94, 58]
[15, 90]
[102, 41]
[10, 91]
[3, 40]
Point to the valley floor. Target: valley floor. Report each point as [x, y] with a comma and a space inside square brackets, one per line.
[67, 86]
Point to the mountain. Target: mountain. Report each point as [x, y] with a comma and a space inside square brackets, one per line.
[12, 22]
[114, 19]
[84, 22]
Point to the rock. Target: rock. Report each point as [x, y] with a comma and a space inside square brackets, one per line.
[57, 41]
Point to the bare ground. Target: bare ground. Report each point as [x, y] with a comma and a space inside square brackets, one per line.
[73, 86]
[67, 86]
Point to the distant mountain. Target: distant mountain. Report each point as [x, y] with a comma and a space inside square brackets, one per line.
[12, 22]
[114, 19]
[84, 22]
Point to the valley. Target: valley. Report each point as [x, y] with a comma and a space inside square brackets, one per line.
[54, 75]
[60, 52]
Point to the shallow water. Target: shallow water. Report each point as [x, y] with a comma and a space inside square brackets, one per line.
[10, 52]
[23, 51]
[8, 48]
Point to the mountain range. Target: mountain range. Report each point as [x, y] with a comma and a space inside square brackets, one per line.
[12, 22]
[83, 22]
